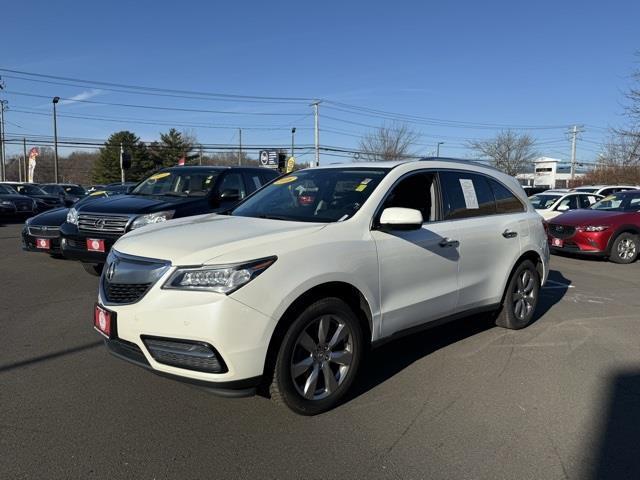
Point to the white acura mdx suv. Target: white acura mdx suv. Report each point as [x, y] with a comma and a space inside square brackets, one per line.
[285, 293]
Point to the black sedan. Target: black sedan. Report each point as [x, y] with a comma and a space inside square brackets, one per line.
[12, 204]
[43, 200]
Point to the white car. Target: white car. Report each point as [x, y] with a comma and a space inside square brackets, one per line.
[285, 293]
[605, 190]
[550, 204]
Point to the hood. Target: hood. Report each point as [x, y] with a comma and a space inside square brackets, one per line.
[51, 218]
[134, 204]
[197, 240]
[583, 217]
[46, 198]
[13, 197]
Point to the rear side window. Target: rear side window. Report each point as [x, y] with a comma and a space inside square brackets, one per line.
[506, 201]
[232, 181]
[466, 195]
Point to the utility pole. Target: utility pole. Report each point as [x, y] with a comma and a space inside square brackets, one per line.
[200, 156]
[574, 137]
[438, 149]
[55, 141]
[240, 150]
[316, 129]
[293, 134]
[2, 170]
[24, 158]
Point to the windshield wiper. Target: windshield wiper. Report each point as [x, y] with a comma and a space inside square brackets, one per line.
[273, 217]
[175, 194]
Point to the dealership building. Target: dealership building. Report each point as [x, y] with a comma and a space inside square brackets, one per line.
[548, 172]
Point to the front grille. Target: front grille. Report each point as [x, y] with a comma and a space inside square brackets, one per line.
[113, 224]
[561, 231]
[44, 232]
[125, 292]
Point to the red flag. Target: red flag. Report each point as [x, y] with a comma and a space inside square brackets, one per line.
[181, 161]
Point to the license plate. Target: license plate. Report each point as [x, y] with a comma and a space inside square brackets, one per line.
[95, 245]
[43, 243]
[104, 321]
[557, 242]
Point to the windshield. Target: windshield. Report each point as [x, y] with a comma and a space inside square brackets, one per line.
[6, 190]
[180, 182]
[541, 202]
[74, 190]
[314, 195]
[619, 202]
[30, 190]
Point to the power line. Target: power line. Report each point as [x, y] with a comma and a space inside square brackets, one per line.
[154, 107]
[160, 90]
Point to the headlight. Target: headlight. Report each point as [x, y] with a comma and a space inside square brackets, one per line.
[6, 203]
[72, 216]
[220, 279]
[594, 228]
[152, 218]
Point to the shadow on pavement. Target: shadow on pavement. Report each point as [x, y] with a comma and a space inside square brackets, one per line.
[618, 452]
[391, 358]
[49, 356]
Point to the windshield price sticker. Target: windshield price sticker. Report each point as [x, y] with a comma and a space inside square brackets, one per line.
[469, 192]
[158, 176]
[362, 185]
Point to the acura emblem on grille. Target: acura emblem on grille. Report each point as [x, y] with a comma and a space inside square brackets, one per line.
[111, 270]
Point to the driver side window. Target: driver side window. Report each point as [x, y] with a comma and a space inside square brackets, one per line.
[571, 202]
[232, 181]
[417, 192]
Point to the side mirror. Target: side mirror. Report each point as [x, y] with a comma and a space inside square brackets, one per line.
[562, 208]
[397, 218]
[230, 195]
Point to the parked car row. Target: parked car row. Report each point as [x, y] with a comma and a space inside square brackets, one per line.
[596, 220]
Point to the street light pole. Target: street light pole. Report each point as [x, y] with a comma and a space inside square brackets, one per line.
[438, 149]
[316, 128]
[240, 145]
[55, 141]
[293, 134]
[2, 140]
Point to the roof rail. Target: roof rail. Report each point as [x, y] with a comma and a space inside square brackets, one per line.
[459, 160]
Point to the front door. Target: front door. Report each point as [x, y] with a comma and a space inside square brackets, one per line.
[418, 268]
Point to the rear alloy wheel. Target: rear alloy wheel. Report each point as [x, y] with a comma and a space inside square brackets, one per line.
[319, 357]
[521, 297]
[624, 248]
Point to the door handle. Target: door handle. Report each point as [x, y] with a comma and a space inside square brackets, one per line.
[448, 242]
[509, 234]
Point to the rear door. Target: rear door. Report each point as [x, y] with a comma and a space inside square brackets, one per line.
[490, 221]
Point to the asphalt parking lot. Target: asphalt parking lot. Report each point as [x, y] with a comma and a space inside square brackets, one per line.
[560, 399]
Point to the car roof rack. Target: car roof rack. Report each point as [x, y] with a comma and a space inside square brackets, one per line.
[477, 163]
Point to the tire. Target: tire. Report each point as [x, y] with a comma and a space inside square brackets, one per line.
[520, 298]
[94, 269]
[307, 361]
[624, 248]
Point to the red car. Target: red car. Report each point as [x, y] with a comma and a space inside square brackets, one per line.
[609, 228]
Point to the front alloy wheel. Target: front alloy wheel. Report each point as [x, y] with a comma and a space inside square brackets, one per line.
[318, 358]
[624, 248]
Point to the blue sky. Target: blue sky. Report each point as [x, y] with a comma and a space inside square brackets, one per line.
[544, 63]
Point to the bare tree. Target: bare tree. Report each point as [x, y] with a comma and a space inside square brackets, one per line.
[388, 143]
[632, 131]
[509, 151]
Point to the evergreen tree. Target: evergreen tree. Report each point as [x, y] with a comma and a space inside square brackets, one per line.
[172, 146]
[107, 168]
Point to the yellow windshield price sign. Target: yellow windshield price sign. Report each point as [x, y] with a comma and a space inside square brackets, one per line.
[285, 180]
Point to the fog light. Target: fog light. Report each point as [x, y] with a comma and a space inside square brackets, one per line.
[199, 356]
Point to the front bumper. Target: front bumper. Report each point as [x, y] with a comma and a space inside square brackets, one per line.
[590, 243]
[74, 245]
[240, 334]
[29, 244]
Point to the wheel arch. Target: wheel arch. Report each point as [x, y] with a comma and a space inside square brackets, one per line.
[347, 292]
[634, 229]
